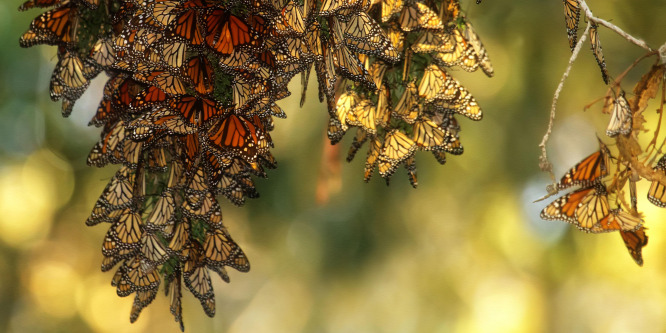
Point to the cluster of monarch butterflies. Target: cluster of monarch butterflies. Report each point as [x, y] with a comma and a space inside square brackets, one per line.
[189, 102]
[598, 205]
[410, 105]
[588, 207]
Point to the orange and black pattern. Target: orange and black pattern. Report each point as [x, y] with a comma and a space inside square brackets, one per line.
[407, 99]
[189, 103]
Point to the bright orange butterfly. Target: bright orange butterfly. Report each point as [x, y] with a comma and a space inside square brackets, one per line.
[53, 27]
[635, 241]
[196, 110]
[200, 72]
[586, 208]
[587, 171]
[225, 32]
[238, 134]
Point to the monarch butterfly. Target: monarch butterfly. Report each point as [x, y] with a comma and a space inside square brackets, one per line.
[587, 171]
[166, 81]
[326, 77]
[586, 208]
[188, 148]
[345, 107]
[237, 134]
[440, 156]
[39, 3]
[173, 290]
[450, 126]
[335, 130]
[199, 206]
[141, 275]
[419, 16]
[141, 300]
[124, 237]
[451, 11]
[102, 213]
[396, 37]
[359, 139]
[571, 17]
[596, 50]
[119, 194]
[152, 248]
[397, 147]
[173, 53]
[427, 135]
[150, 97]
[196, 111]
[635, 241]
[164, 12]
[390, 8]
[479, 50]
[240, 61]
[99, 156]
[410, 165]
[363, 116]
[621, 119]
[221, 250]
[53, 27]
[197, 278]
[372, 158]
[105, 111]
[225, 32]
[71, 77]
[163, 210]
[464, 103]
[460, 50]
[351, 67]
[181, 236]
[364, 35]
[377, 71]
[407, 107]
[187, 26]
[621, 220]
[159, 119]
[102, 52]
[657, 192]
[433, 82]
[383, 109]
[434, 41]
[291, 20]
[341, 8]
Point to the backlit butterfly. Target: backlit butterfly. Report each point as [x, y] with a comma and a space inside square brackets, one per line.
[596, 50]
[419, 16]
[657, 192]
[587, 171]
[571, 17]
[225, 32]
[635, 241]
[621, 119]
[53, 27]
[586, 208]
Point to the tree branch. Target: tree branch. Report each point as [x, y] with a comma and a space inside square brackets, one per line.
[544, 164]
[590, 16]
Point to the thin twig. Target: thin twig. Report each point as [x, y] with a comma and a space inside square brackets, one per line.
[544, 164]
[590, 16]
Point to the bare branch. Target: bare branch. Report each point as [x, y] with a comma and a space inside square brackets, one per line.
[544, 164]
[590, 16]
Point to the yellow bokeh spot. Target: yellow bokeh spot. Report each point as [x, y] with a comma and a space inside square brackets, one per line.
[104, 311]
[52, 286]
[29, 195]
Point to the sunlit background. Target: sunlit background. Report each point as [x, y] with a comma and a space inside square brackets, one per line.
[465, 252]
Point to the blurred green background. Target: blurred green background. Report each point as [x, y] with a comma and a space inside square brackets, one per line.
[465, 252]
